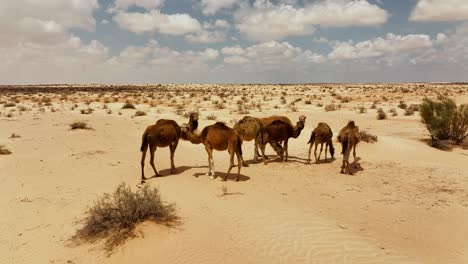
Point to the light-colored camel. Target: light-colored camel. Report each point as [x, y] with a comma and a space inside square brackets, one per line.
[163, 134]
[269, 120]
[250, 128]
[279, 131]
[217, 137]
[322, 134]
[349, 138]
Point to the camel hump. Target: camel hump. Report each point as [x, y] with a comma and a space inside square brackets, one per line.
[278, 122]
[221, 125]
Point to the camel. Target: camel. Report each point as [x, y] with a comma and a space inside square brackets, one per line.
[321, 134]
[163, 134]
[297, 130]
[278, 131]
[219, 137]
[348, 137]
[250, 128]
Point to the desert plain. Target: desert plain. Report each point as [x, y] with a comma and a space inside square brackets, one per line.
[406, 203]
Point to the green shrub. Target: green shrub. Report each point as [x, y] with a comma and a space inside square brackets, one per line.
[444, 119]
[114, 216]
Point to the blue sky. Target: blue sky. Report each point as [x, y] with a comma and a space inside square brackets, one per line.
[229, 41]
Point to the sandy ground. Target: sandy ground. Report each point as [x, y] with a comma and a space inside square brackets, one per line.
[407, 204]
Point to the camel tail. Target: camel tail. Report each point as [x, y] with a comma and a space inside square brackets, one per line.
[144, 142]
[239, 145]
[312, 138]
[344, 143]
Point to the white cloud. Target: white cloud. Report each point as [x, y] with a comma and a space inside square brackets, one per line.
[440, 10]
[390, 45]
[206, 37]
[267, 21]
[155, 21]
[270, 55]
[147, 4]
[210, 7]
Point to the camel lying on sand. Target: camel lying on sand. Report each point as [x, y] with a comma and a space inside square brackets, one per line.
[322, 134]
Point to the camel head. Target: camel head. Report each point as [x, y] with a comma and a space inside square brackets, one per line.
[193, 121]
[351, 124]
[302, 118]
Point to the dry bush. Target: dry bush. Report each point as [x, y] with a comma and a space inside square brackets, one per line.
[79, 125]
[211, 117]
[14, 135]
[86, 111]
[140, 113]
[114, 217]
[308, 102]
[402, 105]
[362, 110]
[128, 105]
[331, 107]
[393, 112]
[4, 150]
[367, 137]
[9, 105]
[381, 115]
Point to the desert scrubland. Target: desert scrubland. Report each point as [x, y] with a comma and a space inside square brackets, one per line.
[406, 203]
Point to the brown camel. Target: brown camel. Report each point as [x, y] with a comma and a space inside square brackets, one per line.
[348, 137]
[269, 120]
[250, 128]
[279, 131]
[163, 134]
[322, 134]
[219, 137]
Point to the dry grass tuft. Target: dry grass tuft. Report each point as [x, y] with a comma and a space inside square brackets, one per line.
[4, 150]
[368, 137]
[114, 217]
[79, 125]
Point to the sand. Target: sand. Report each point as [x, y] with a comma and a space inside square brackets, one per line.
[407, 204]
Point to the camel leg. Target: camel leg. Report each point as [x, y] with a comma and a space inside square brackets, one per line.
[321, 149]
[263, 153]
[152, 150]
[286, 150]
[315, 153]
[310, 151]
[326, 150]
[354, 154]
[347, 162]
[173, 148]
[211, 172]
[255, 151]
[231, 163]
[239, 157]
[143, 156]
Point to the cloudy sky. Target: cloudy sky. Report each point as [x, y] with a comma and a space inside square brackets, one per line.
[232, 41]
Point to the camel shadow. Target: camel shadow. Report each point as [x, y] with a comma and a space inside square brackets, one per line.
[221, 175]
[326, 161]
[179, 170]
[291, 159]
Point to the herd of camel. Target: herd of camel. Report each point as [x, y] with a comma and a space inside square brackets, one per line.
[273, 130]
